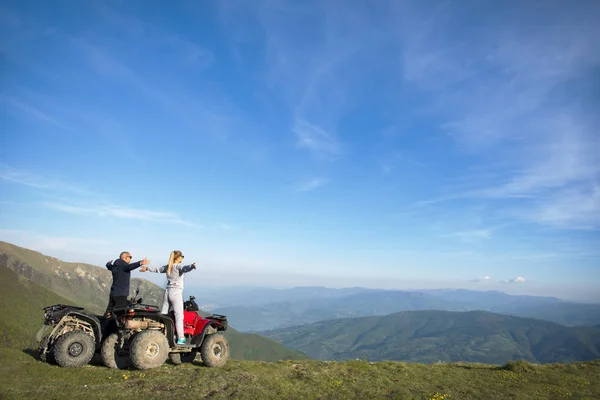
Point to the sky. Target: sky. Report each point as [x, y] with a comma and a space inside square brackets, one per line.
[389, 144]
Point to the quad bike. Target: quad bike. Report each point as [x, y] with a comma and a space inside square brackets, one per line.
[69, 336]
[140, 336]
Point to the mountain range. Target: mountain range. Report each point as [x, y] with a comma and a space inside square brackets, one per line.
[431, 336]
[256, 314]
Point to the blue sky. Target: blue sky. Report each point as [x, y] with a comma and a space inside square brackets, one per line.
[391, 144]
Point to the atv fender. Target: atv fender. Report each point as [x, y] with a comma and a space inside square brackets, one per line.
[93, 321]
[209, 328]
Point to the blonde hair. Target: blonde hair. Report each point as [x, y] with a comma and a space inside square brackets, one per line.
[175, 254]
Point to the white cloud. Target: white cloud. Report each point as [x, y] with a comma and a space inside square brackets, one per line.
[518, 279]
[483, 279]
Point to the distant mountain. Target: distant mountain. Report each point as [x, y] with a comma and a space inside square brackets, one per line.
[489, 300]
[23, 298]
[546, 308]
[371, 302]
[329, 304]
[430, 336]
[255, 297]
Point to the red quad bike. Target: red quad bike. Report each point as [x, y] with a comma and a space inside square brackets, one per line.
[144, 338]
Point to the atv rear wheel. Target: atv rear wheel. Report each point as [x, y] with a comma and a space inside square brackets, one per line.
[74, 349]
[112, 355]
[149, 349]
[178, 358]
[215, 350]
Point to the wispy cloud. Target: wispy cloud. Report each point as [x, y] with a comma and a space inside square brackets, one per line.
[311, 185]
[471, 235]
[26, 178]
[227, 227]
[317, 76]
[50, 184]
[121, 212]
[316, 140]
[86, 206]
[526, 113]
[32, 111]
[152, 38]
[571, 208]
[399, 160]
[206, 111]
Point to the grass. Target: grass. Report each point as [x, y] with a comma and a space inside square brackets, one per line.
[22, 376]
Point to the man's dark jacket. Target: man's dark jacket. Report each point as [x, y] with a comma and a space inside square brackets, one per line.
[121, 273]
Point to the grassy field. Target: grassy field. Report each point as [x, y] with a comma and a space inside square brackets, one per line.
[23, 377]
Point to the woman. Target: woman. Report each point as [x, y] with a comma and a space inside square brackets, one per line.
[173, 299]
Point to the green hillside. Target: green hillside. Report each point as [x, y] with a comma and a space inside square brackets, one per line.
[84, 284]
[22, 377]
[23, 300]
[431, 336]
[21, 312]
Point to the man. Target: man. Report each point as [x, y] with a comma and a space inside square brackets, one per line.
[121, 274]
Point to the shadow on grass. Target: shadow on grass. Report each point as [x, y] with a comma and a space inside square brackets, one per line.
[33, 353]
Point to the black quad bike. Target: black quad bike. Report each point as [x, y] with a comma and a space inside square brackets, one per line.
[140, 336]
[69, 336]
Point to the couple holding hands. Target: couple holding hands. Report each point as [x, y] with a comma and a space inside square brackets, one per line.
[174, 270]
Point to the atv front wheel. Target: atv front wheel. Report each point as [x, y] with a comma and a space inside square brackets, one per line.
[74, 349]
[215, 350]
[149, 349]
[112, 354]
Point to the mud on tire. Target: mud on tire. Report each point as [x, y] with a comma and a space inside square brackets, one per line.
[149, 349]
[215, 350]
[109, 353]
[74, 349]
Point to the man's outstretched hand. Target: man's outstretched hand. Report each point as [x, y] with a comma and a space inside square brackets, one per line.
[145, 261]
[194, 265]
